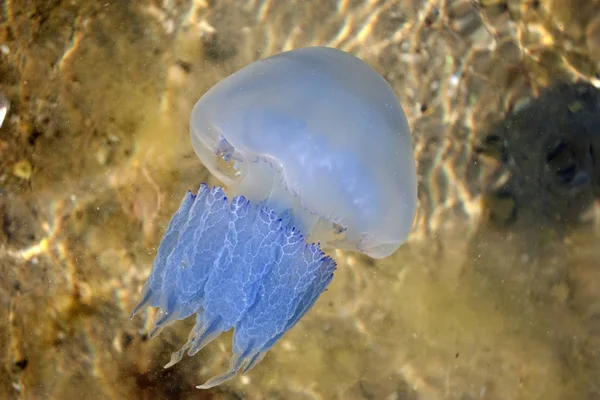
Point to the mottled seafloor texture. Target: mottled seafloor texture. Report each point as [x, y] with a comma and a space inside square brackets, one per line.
[496, 293]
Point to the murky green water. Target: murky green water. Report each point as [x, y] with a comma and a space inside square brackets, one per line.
[496, 295]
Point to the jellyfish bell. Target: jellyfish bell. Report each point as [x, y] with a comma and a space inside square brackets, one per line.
[318, 131]
[313, 148]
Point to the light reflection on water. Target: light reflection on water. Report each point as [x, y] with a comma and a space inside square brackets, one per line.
[100, 96]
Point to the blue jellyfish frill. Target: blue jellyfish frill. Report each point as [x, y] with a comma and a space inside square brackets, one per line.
[235, 265]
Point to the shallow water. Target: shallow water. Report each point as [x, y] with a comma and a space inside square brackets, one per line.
[494, 296]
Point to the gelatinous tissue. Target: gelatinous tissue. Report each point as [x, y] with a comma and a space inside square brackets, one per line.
[314, 151]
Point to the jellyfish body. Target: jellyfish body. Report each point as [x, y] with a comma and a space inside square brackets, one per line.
[318, 129]
[313, 146]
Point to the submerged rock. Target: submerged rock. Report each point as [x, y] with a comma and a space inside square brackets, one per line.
[550, 147]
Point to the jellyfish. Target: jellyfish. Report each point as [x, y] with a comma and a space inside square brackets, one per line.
[314, 152]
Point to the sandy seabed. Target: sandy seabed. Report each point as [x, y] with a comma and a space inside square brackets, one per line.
[494, 296]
